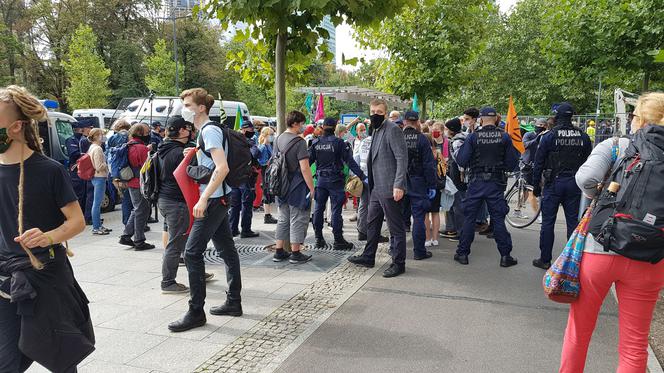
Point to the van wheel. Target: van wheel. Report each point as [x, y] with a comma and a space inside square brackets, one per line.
[106, 205]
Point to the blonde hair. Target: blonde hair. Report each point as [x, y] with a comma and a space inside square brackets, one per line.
[651, 108]
[120, 124]
[94, 133]
[265, 133]
[29, 110]
[200, 97]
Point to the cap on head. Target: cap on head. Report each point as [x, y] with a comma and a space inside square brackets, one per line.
[246, 124]
[564, 110]
[175, 123]
[155, 124]
[85, 123]
[412, 115]
[453, 125]
[329, 122]
[488, 111]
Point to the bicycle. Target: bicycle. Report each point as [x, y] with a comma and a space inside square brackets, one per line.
[524, 206]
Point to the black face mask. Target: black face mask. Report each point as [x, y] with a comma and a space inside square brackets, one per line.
[377, 120]
[539, 129]
[249, 135]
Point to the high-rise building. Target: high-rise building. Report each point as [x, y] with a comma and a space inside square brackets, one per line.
[332, 40]
[179, 7]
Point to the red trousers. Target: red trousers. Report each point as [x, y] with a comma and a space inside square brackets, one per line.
[637, 288]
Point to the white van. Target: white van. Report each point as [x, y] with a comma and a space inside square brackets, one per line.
[103, 118]
[161, 108]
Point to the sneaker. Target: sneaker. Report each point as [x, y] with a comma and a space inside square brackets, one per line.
[383, 239]
[448, 234]
[519, 215]
[297, 258]
[280, 255]
[428, 244]
[268, 219]
[320, 243]
[143, 246]
[539, 219]
[99, 232]
[175, 289]
[454, 239]
[106, 229]
[249, 234]
[152, 220]
[236, 233]
[434, 243]
[353, 218]
[126, 240]
[209, 277]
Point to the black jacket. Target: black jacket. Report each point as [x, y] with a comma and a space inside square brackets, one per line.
[56, 330]
[170, 157]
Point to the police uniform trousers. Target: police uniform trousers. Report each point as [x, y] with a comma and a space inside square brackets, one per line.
[419, 206]
[85, 194]
[242, 200]
[562, 191]
[493, 194]
[335, 193]
[392, 211]
[406, 211]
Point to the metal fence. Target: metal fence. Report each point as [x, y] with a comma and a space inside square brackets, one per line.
[606, 125]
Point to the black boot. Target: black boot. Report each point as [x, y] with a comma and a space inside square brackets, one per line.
[230, 308]
[320, 242]
[340, 243]
[192, 319]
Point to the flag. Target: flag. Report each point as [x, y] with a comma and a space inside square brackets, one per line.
[416, 106]
[320, 111]
[512, 127]
[238, 119]
[308, 102]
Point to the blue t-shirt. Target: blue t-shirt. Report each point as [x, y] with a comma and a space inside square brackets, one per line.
[213, 137]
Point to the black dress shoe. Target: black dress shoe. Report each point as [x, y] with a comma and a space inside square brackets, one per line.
[126, 240]
[361, 261]
[426, 255]
[236, 233]
[147, 228]
[249, 234]
[230, 308]
[507, 261]
[408, 229]
[383, 239]
[461, 259]
[342, 244]
[192, 319]
[361, 236]
[143, 246]
[320, 243]
[394, 270]
[539, 263]
[152, 220]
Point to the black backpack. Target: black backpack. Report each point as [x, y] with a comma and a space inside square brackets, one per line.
[631, 222]
[238, 155]
[150, 178]
[277, 177]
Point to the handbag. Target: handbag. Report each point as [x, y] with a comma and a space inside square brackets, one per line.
[561, 281]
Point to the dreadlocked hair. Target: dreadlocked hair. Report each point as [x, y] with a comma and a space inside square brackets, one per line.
[30, 112]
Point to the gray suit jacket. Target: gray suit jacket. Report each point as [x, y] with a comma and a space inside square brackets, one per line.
[389, 160]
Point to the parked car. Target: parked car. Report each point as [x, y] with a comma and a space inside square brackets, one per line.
[103, 118]
[161, 108]
[54, 132]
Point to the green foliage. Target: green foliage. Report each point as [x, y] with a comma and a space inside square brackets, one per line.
[160, 68]
[88, 77]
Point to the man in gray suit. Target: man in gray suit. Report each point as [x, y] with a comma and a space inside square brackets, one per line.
[387, 166]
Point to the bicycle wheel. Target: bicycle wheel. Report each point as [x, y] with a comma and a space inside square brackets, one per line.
[522, 212]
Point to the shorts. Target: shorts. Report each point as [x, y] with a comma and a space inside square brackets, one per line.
[435, 202]
[527, 174]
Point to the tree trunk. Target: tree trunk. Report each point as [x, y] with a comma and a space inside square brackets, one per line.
[280, 80]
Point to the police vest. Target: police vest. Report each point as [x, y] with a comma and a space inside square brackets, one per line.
[566, 155]
[487, 162]
[412, 136]
[328, 157]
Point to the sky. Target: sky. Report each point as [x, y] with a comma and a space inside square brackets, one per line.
[347, 46]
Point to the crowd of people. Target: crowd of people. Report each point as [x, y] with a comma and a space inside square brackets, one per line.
[393, 168]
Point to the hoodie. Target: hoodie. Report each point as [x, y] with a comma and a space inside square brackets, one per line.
[170, 157]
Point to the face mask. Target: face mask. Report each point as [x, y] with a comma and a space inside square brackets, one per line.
[361, 135]
[5, 141]
[377, 120]
[249, 135]
[188, 115]
[300, 130]
[270, 138]
[539, 129]
[435, 134]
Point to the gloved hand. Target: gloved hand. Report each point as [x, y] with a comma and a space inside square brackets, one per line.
[537, 191]
[431, 193]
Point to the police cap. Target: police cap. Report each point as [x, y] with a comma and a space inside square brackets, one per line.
[411, 115]
[488, 111]
[329, 122]
[565, 110]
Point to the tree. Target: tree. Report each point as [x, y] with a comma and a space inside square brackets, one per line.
[426, 44]
[88, 77]
[285, 34]
[160, 67]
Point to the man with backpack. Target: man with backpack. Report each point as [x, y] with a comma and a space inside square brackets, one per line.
[172, 205]
[210, 214]
[330, 153]
[289, 179]
[77, 145]
[242, 198]
[120, 137]
[136, 154]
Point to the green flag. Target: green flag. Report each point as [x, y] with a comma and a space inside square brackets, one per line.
[238, 119]
[416, 106]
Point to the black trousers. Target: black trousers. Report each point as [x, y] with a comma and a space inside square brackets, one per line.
[392, 211]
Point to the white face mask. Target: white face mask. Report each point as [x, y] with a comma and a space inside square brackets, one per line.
[188, 115]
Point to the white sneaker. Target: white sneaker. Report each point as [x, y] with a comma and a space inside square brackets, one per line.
[427, 244]
[434, 243]
[539, 219]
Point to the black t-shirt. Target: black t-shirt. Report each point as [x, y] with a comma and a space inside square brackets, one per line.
[47, 188]
[295, 154]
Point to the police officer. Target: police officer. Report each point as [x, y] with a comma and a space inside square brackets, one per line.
[77, 145]
[330, 154]
[155, 135]
[561, 152]
[421, 180]
[486, 155]
[242, 198]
